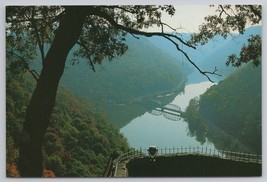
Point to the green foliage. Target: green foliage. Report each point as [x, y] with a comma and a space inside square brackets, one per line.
[28, 27]
[77, 143]
[232, 110]
[75, 168]
[230, 18]
[249, 52]
[55, 164]
[16, 101]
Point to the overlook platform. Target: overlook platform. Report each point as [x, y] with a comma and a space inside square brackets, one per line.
[188, 162]
[190, 166]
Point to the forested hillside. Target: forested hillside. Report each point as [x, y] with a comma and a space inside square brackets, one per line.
[78, 142]
[229, 113]
[144, 71]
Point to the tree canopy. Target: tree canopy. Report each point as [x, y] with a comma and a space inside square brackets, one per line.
[77, 143]
[233, 19]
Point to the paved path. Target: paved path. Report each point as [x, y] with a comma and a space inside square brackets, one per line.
[122, 169]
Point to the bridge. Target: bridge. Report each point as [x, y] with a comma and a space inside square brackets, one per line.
[169, 111]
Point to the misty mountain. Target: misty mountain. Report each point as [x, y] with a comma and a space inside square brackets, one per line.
[144, 71]
[211, 55]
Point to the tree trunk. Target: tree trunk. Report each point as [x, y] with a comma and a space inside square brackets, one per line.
[43, 98]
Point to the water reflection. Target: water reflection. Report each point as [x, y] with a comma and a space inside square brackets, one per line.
[149, 129]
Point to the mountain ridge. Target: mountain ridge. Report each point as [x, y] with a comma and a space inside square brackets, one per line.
[211, 55]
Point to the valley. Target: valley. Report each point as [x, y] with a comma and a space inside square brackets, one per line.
[102, 111]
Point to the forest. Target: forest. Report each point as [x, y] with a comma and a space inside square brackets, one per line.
[229, 113]
[78, 143]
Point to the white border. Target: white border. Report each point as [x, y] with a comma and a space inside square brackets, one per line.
[3, 3]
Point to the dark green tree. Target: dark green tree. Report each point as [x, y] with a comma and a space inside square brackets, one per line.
[99, 30]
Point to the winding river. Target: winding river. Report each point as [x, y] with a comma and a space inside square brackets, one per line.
[149, 129]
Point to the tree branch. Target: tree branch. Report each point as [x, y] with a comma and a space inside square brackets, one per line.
[161, 34]
[137, 32]
[205, 73]
[117, 7]
[223, 11]
[134, 36]
[88, 56]
[173, 29]
[25, 65]
[213, 73]
[257, 13]
[39, 42]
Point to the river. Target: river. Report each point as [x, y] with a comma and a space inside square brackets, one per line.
[149, 129]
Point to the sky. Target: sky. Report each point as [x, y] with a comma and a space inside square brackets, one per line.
[184, 19]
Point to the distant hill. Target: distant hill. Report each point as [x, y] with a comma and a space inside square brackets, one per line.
[229, 114]
[214, 53]
[144, 71]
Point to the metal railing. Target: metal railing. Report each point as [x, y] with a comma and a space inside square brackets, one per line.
[204, 151]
